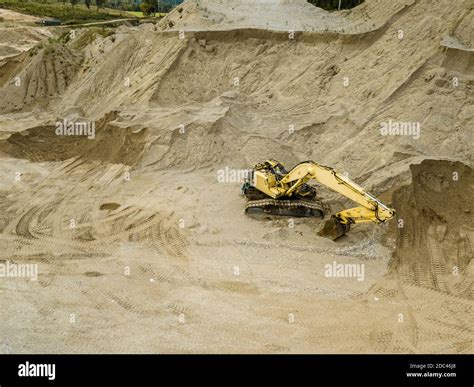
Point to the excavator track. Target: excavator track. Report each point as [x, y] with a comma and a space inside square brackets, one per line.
[295, 207]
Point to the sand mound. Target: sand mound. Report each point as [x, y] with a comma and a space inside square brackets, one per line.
[435, 239]
[43, 77]
[16, 40]
[10, 67]
[239, 91]
[278, 15]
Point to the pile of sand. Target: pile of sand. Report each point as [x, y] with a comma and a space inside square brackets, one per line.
[40, 78]
[435, 231]
[14, 41]
[172, 111]
[218, 98]
[325, 87]
[278, 15]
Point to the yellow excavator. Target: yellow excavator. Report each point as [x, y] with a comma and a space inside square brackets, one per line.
[271, 189]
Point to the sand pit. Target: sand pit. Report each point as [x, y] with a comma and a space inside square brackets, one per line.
[136, 236]
[435, 234]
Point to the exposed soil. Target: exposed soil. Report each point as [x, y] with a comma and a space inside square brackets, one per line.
[137, 238]
[434, 243]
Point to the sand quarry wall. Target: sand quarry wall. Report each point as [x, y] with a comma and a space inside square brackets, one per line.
[434, 247]
[245, 88]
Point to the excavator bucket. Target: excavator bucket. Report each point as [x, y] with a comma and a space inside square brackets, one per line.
[334, 229]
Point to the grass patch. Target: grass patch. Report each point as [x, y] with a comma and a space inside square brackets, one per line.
[88, 36]
[140, 14]
[136, 14]
[64, 12]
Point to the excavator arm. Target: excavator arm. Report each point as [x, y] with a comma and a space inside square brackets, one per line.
[280, 185]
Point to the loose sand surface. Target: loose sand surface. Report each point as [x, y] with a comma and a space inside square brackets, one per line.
[142, 247]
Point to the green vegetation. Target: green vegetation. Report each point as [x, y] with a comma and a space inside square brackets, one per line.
[331, 5]
[152, 7]
[84, 39]
[64, 11]
[140, 14]
[88, 36]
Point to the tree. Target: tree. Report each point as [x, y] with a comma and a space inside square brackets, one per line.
[99, 3]
[149, 7]
[88, 3]
[73, 2]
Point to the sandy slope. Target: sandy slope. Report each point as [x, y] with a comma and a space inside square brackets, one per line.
[279, 15]
[145, 197]
[17, 35]
[8, 15]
